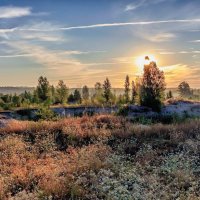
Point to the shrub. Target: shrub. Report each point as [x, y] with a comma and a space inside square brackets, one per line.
[103, 157]
[45, 113]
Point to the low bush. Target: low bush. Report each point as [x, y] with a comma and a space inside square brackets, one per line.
[45, 113]
[99, 157]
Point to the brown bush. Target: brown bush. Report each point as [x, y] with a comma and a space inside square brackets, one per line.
[49, 158]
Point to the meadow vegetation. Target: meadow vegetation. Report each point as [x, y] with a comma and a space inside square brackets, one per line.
[102, 156]
[99, 157]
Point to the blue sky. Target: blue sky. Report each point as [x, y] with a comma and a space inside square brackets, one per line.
[82, 42]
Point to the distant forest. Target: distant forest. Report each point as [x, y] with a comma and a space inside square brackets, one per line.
[19, 90]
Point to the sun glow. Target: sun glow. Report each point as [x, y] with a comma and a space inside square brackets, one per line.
[141, 61]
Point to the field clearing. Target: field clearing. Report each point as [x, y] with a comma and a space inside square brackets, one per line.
[99, 157]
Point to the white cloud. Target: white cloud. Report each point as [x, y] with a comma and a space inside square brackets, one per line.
[128, 24]
[44, 56]
[140, 3]
[54, 60]
[183, 52]
[7, 30]
[162, 37]
[49, 29]
[195, 41]
[174, 74]
[178, 52]
[46, 27]
[167, 52]
[133, 6]
[13, 11]
[195, 51]
[16, 34]
[15, 55]
[80, 52]
[41, 37]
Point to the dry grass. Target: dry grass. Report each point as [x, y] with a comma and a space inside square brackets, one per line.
[66, 159]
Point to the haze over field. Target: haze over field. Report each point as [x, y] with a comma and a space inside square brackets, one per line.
[82, 42]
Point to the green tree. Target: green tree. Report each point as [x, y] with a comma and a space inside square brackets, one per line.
[134, 92]
[16, 100]
[45, 113]
[127, 89]
[62, 92]
[98, 98]
[26, 98]
[169, 94]
[121, 99]
[7, 98]
[138, 85]
[184, 89]
[43, 89]
[107, 90]
[153, 86]
[85, 93]
[71, 98]
[35, 98]
[52, 94]
[27, 95]
[98, 89]
[77, 96]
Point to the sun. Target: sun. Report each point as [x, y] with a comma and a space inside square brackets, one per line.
[140, 61]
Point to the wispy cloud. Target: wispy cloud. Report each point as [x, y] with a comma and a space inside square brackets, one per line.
[7, 30]
[58, 53]
[4, 32]
[52, 60]
[162, 37]
[167, 53]
[140, 3]
[135, 5]
[13, 11]
[176, 73]
[126, 59]
[41, 37]
[44, 56]
[183, 52]
[19, 35]
[197, 20]
[195, 51]
[15, 55]
[178, 52]
[80, 52]
[195, 41]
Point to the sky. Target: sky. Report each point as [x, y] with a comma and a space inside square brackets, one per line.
[83, 42]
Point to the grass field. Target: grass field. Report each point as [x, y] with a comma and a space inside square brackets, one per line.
[99, 157]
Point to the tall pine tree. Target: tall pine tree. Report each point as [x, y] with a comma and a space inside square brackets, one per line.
[127, 89]
[107, 90]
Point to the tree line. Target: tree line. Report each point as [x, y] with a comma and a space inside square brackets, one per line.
[148, 90]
